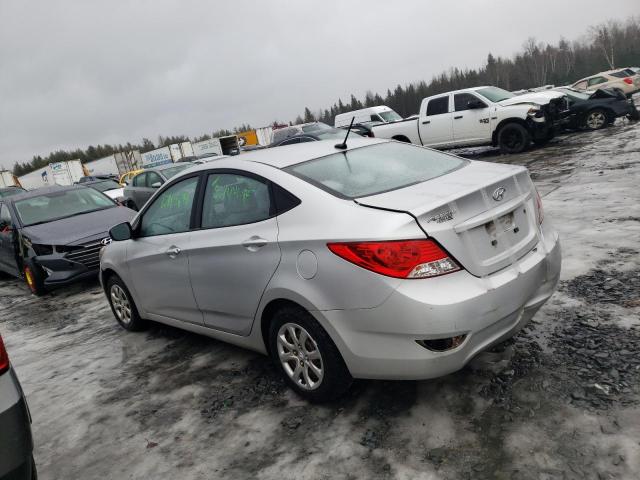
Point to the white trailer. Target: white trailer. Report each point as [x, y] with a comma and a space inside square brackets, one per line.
[156, 157]
[116, 164]
[207, 147]
[59, 173]
[8, 179]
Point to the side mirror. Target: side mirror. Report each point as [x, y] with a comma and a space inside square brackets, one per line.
[476, 104]
[121, 232]
[156, 184]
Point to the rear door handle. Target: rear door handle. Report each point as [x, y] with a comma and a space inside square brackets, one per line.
[173, 251]
[426, 121]
[458, 117]
[254, 243]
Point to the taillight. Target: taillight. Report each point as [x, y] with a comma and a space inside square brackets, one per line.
[398, 258]
[628, 81]
[4, 358]
[539, 209]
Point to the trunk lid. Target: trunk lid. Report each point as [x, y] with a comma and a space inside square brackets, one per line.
[483, 214]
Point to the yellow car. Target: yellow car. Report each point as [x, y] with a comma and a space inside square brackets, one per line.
[125, 178]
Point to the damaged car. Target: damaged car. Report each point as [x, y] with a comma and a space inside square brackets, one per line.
[376, 259]
[595, 110]
[52, 236]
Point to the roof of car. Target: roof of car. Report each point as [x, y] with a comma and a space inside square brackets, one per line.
[285, 156]
[43, 191]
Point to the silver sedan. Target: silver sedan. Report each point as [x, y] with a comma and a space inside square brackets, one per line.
[383, 260]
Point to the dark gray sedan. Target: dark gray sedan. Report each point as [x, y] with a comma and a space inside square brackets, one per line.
[145, 184]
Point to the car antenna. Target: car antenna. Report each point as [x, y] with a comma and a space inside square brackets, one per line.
[343, 145]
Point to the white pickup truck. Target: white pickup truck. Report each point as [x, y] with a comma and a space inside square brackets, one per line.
[481, 116]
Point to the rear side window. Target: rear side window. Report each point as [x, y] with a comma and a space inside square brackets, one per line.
[231, 199]
[623, 73]
[438, 106]
[596, 80]
[153, 178]
[375, 169]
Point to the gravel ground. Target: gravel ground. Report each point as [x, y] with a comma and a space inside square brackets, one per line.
[561, 400]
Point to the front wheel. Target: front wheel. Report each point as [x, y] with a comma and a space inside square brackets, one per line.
[513, 138]
[634, 114]
[34, 277]
[122, 305]
[596, 119]
[306, 356]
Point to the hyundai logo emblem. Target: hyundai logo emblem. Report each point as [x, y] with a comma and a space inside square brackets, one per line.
[498, 193]
[105, 241]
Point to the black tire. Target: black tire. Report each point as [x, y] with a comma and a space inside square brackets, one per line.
[131, 204]
[401, 138]
[513, 138]
[34, 470]
[634, 114]
[336, 378]
[116, 292]
[34, 277]
[596, 119]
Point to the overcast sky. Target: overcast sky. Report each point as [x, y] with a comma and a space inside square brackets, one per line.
[76, 73]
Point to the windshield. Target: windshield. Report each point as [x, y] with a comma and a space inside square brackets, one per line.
[390, 116]
[495, 94]
[316, 127]
[106, 185]
[7, 192]
[172, 171]
[57, 205]
[375, 169]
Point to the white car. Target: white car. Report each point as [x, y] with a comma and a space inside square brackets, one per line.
[481, 116]
[626, 79]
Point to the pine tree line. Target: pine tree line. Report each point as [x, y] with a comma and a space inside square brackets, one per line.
[605, 46]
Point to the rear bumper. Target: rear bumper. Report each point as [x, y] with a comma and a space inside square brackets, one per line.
[382, 343]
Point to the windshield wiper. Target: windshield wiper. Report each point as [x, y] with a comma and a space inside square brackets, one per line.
[68, 216]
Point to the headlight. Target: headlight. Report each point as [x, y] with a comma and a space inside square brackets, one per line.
[42, 249]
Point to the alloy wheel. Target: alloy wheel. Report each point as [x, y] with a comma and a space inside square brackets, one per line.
[596, 120]
[300, 357]
[121, 304]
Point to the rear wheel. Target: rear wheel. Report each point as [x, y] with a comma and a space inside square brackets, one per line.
[306, 356]
[596, 119]
[634, 115]
[122, 305]
[513, 138]
[34, 277]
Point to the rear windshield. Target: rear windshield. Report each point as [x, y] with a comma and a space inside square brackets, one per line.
[390, 116]
[375, 169]
[171, 171]
[623, 73]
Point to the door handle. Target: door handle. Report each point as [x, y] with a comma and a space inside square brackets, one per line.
[173, 251]
[426, 121]
[458, 117]
[254, 243]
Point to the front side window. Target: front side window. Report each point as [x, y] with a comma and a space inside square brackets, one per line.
[170, 212]
[61, 204]
[232, 199]
[375, 169]
[153, 179]
[438, 106]
[461, 101]
[140, 180]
